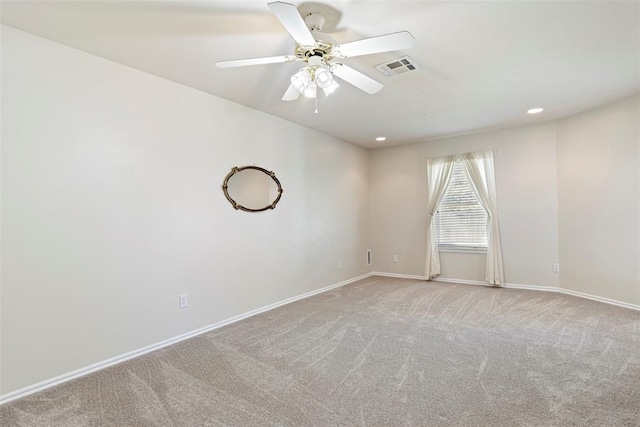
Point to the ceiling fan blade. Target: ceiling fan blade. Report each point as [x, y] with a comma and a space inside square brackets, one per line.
[291, 94]
[289, 16]
[357, 79]
[386, 43]
[255, 61]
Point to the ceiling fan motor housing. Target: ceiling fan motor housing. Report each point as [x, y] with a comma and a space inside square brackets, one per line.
[314, 21]
[324, 47]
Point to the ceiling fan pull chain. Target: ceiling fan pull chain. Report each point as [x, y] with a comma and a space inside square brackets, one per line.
[316, 98]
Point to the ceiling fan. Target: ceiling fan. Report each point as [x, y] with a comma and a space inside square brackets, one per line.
[322, 54]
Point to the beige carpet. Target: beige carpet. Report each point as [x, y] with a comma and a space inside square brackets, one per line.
[383, 352]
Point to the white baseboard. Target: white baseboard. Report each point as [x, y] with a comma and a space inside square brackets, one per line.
[601, 299]
[518, 286]
[566, 291]
[35, 388]
[533, 287]
[461, 281]
[398, 276]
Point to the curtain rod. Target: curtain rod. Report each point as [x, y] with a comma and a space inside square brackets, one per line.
[496, 151]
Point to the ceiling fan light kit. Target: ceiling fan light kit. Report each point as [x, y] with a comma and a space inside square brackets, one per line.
[320, 51]
[307, 80]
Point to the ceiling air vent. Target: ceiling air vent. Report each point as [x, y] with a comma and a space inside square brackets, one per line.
[397, 66]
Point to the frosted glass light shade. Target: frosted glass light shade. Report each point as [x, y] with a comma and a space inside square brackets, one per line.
[300, 80]
[310, 90]
[331, 88]
[323, 77]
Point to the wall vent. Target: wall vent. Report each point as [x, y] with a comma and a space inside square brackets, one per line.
[397, 66]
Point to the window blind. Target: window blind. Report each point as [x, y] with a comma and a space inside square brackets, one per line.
[461, 221]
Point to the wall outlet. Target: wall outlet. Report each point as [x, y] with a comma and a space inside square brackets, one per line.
[184, 301]
[556, 267]
[339, 265]
[395, 258]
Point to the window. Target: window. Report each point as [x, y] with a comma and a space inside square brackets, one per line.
[461, 220]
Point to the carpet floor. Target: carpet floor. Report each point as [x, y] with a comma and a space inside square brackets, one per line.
[377, 352]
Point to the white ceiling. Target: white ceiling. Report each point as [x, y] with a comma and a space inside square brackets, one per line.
[483, 64]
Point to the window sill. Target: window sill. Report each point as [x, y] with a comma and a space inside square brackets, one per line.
[462, 249]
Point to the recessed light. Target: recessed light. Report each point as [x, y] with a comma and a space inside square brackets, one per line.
[381, 138]
[535, 110]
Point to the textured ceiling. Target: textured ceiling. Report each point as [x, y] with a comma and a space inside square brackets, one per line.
[483, 64]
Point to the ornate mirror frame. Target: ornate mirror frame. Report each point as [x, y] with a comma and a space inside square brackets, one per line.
[236, 205]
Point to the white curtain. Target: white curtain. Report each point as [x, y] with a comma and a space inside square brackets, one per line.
[481, 172]
[438, 175]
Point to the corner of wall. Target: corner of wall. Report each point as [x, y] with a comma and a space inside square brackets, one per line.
[596, 150]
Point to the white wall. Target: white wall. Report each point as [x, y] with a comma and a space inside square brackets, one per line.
[112, 207]
[525, 162]
[599, 201]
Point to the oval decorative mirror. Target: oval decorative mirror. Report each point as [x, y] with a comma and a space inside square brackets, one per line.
[252, 188]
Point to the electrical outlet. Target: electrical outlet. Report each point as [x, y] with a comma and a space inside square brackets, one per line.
[556, 267]
[395, 258]
[184, 301]
[339, 265]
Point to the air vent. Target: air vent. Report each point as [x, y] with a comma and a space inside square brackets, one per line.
[397, 66]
